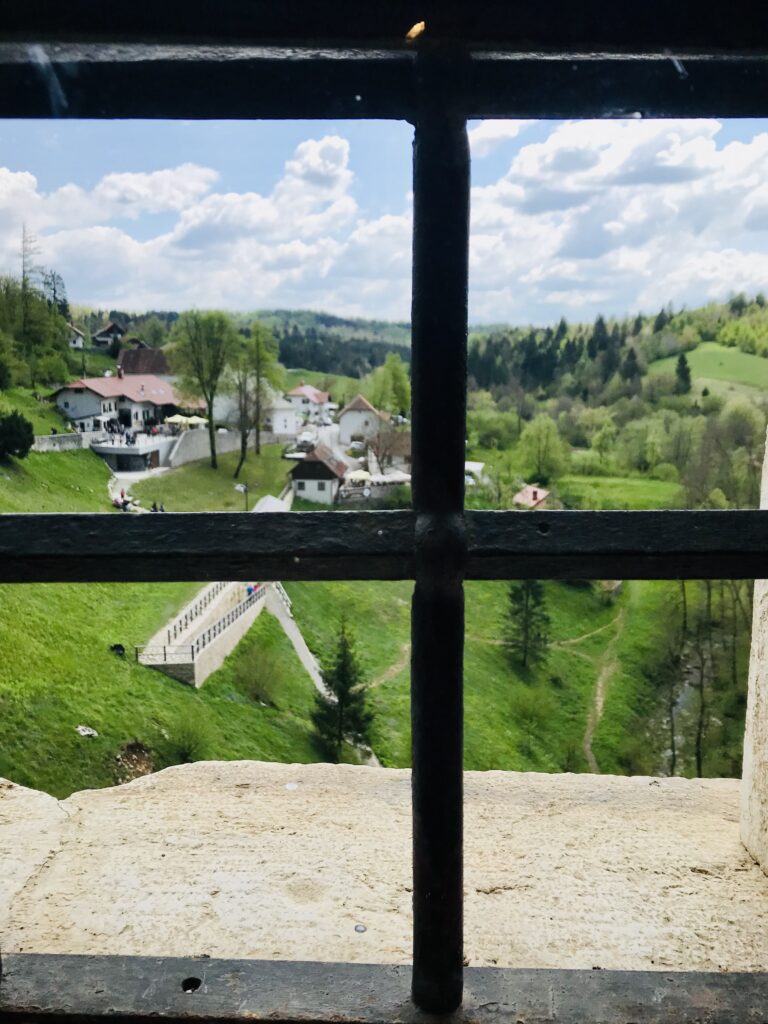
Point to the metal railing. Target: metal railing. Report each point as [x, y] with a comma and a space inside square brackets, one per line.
[164, 654]
[182, 623]
[218, 627]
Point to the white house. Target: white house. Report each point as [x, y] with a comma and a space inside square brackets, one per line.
[359, 419]
[132, 401]
[278, 414]
[281, 418]
[76, 337]
[310, 403]
[317, 476]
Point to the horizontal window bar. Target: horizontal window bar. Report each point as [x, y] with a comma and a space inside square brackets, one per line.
[526, 26]
[173, 82]
[52, 988]
[381, 545]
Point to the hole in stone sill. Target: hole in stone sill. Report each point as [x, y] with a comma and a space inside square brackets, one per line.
[543, 528]
[190, 985]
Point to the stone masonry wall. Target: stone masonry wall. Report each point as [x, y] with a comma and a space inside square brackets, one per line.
[754, 786]
[279, 861]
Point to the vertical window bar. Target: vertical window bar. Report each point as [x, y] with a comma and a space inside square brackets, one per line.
[438, 361]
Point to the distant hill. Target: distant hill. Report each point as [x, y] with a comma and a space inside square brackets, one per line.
[344, 328]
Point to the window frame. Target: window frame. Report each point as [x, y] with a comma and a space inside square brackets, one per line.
[483, 59]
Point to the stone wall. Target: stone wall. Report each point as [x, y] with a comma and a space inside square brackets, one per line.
[194, 445]
[66, 442]
[312, 862]
[754, 787]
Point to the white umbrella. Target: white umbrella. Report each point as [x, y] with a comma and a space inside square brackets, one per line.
[358, 476]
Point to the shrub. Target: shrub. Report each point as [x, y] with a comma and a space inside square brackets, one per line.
[188, 738]
[260, 677]
[665, 471]
[16, 435]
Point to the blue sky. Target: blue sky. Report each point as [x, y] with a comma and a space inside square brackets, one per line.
[567, 218]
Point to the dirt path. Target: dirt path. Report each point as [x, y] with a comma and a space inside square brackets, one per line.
[585, 636]
[608, 664]
[393, 670]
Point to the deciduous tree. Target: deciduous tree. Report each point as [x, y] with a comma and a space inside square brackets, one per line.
[542, 449]
[204, 344]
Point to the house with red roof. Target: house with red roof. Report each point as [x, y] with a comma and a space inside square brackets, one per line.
[531, 496]
[310, 403]
[133, 401]
[318, 475]
[359, 420]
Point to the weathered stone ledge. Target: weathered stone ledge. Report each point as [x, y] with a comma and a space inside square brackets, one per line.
[245, 859]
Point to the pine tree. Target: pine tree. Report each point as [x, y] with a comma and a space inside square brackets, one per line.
[630, 369]
[682, 376]
[342, 714]
[16, 435]
[527, 630]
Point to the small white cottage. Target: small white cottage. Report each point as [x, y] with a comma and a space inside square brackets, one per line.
[359, 419]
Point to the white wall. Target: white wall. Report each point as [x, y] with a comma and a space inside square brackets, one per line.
[357, 422]
[304, 407]
[284, 422]
[81, 403]
[322, 491]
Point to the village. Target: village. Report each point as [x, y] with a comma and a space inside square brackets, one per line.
[137, 420]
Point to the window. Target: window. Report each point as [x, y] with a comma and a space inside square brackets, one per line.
[459, 72]
[321, 485]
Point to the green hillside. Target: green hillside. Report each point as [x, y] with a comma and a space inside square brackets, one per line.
[197, 487]
[714, 365]
[527, 720]
[347, 328]
[42, 415]
[57, 671]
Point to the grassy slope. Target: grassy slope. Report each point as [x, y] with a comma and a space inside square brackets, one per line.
[198, 488]
[720, 369]
[73, 481]
[514, 719]
[620, 492]
[341, 388]
[42, 415]
[63, 674]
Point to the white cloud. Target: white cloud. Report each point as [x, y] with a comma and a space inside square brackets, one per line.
[492, 133]
[608, 216]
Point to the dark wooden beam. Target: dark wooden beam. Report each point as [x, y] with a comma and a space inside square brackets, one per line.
[206, 546]
[174, 82]
[380, 545]
[527, 27]
[55, 989]
[441, 180]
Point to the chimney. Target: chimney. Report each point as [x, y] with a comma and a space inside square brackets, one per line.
[142, 389]
[535, 493]
[120, 372]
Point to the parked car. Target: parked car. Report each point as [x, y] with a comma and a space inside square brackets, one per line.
[357, 446]
[305, 437]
